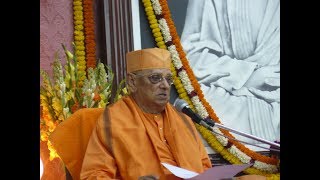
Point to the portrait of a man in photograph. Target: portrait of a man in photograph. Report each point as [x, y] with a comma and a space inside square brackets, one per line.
[233, 48]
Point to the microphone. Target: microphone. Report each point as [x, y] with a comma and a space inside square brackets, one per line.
[183, 106]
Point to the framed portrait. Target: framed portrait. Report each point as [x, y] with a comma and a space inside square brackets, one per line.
[226, 57]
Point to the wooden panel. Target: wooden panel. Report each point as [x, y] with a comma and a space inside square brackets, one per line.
[114, 35]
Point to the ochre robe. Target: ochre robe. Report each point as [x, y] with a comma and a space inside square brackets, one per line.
[121, 147]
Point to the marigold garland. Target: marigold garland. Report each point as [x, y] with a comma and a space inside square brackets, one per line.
[79, 39]
[189, 88]
[89, 31]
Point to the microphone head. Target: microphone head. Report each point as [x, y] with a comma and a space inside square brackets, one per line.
[180, 104]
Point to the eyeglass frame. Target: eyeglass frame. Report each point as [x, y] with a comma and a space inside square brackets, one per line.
[149, 76]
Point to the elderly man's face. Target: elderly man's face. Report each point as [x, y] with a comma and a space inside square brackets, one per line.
[153, 87]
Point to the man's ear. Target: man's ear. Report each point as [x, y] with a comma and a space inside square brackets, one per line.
[131, 82]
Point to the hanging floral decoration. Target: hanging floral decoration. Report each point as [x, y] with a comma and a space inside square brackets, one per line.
[79, 39]
[89, 32]
[188, 88]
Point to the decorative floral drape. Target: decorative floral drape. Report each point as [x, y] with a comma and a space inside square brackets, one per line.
[84, 37]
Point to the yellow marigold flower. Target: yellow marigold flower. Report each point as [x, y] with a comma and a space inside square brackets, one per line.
[79, 33]
[183, 94]
[180, 90]
[149, 13]
[153, 21]
[161, 43]
[157, 34]
[77, 3]
[155, 25]
[180, 86]
[79, 38]
[78, 18]
[148, 9]
[79, 27]
[78, 22]
[81, 48]
[81, 61]
[81, 73]
[78, 14]
[146, 3]
[151, 17]
[78, 8]
[160, 38]
[81, 68]
[174, 74]
[83, 77]
[80, 53]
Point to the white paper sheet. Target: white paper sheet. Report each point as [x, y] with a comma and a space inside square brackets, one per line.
[180, 172]
[214, 173]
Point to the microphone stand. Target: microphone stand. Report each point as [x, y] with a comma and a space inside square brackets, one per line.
[209, 125]
[183, 106]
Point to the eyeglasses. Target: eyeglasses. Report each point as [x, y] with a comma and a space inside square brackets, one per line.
[158, 77]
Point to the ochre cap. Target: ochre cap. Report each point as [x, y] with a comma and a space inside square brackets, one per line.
[151, 58]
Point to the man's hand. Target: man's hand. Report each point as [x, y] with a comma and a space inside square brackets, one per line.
[265, 78]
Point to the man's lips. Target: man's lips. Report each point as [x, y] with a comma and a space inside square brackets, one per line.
[163, 95]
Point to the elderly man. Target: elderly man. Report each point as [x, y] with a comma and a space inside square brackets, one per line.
[137, 133]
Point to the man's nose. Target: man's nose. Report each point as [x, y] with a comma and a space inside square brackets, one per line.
[164, 83]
